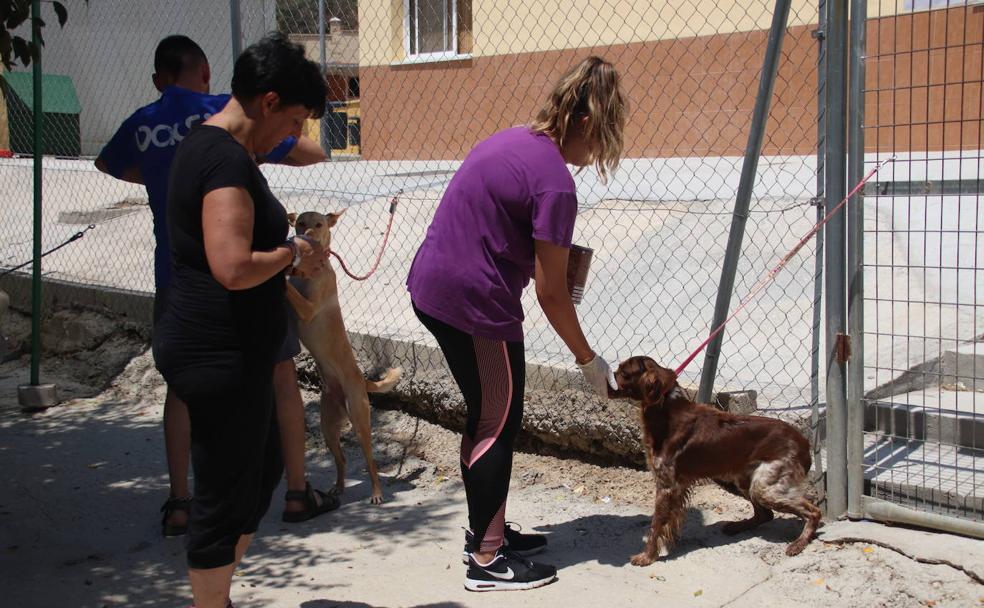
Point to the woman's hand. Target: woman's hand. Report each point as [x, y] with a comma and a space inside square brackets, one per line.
[312, 256]
[599, 375]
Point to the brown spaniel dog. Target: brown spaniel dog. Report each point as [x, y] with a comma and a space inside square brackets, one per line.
[763, 459]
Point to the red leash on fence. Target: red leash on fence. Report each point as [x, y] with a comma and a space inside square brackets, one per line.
[389, 226]
[782, 263]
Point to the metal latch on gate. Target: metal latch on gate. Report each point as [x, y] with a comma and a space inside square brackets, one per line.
[842, 348]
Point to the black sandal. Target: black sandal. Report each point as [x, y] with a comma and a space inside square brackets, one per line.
[170, 506]
[309, 496]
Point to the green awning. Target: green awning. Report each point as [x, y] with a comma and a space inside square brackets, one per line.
[59, 91]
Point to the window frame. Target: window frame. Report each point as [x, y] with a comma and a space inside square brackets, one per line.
[446, 55]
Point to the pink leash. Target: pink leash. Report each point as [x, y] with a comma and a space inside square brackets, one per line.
[389, 226]
[782, 263]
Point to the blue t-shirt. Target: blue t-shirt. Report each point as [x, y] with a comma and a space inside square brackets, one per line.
[148, 139]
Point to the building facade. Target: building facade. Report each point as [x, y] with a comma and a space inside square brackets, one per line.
[439, 75]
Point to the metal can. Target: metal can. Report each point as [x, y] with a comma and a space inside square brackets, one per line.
[578, 263]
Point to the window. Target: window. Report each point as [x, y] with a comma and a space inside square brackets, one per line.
[922, 5]
[437, 29]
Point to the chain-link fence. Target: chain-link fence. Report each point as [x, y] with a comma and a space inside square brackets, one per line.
[414, 84]
[923, 257]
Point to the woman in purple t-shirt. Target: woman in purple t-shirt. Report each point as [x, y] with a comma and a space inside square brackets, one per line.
[508, 216]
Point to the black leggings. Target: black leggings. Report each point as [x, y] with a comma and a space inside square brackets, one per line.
[492, 376]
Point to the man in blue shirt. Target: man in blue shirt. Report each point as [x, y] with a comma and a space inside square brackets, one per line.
[141, 152]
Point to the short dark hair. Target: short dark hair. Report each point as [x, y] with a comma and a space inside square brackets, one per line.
[177, 53]
[276, 64]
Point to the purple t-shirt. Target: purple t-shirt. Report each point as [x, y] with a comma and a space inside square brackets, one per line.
[477, 257]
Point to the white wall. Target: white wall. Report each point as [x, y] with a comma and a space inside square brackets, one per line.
[107, 47]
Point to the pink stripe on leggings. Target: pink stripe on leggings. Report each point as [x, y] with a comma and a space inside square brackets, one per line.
[497, 387]
[495, 534]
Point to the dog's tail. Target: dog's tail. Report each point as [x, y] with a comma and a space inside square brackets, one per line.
[386, 383]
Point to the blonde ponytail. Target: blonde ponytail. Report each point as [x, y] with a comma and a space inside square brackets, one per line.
[591, 88]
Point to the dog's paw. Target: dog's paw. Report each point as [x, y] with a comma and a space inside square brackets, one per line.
[376, 500]
[642, 559]
[796, 547]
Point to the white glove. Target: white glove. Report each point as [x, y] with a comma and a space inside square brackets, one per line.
[599, 375]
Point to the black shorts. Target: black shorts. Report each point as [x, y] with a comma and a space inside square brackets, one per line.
[292, 345]
[235, 454]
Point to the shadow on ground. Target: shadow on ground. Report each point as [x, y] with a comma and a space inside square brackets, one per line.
[612, 539]
[79, 517]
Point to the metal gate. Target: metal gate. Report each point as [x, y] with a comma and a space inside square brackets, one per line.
[916, 409]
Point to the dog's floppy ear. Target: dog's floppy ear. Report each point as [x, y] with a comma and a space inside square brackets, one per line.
[291, 218]
[332, 217]
[654, 384]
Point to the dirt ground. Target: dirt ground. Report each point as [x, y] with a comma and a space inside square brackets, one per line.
[83, 481]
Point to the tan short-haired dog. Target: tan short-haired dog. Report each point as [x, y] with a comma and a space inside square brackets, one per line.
[322, 332]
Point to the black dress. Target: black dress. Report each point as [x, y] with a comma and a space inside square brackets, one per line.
[216, 349]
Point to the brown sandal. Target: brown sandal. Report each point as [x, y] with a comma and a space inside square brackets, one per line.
[309, 496]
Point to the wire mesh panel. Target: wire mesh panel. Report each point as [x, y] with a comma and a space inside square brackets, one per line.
[414, 85]
[924, 256]
[437, 77]
[97, 72]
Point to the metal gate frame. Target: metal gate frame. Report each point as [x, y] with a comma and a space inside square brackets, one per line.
[860, 505]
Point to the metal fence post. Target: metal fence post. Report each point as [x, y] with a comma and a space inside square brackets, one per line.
[749, 167]
[818, 255]
[855, 252]
[38, 174]
[837, 345]
[324, 138]
[236, 26]
[36, 395]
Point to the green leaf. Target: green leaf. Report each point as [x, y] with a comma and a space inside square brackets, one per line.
[22, 50]
[21, 11]
[61, 12]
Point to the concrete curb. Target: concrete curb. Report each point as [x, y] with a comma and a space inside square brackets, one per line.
[946, 427]
[135, 306]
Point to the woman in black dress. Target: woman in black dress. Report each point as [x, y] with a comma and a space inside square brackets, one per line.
[217, 342]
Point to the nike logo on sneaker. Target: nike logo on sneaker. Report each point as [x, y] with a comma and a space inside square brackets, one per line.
[503, 576]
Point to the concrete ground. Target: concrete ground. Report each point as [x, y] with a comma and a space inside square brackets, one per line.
[79, 522]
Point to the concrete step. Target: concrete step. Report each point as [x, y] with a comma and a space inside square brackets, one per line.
[947, 417]
[960, 366]
[963, 366]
